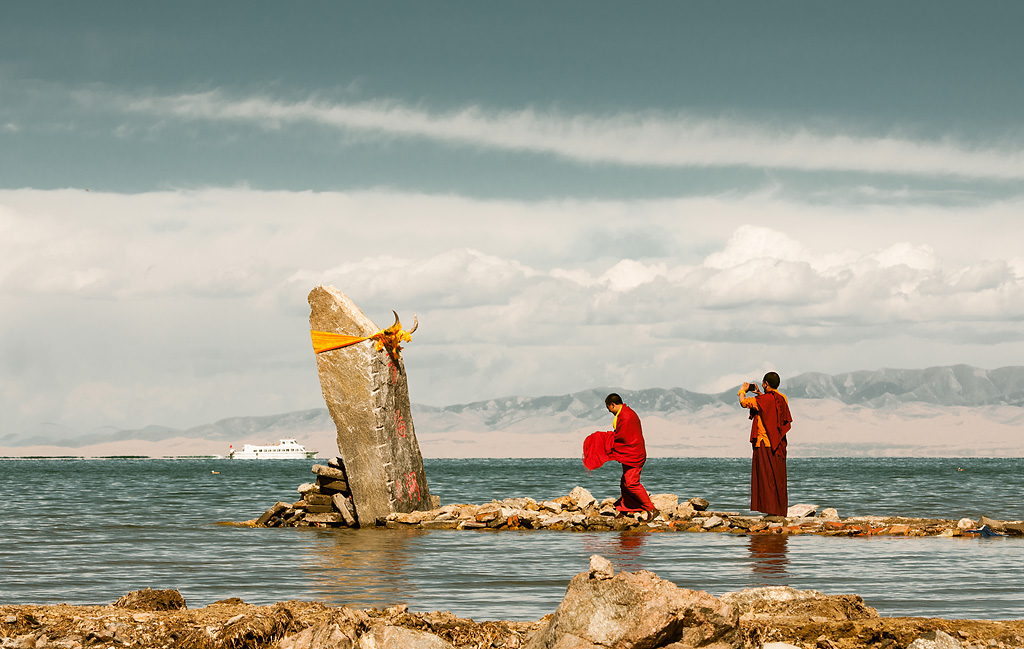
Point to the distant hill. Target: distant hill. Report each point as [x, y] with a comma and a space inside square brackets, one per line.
[957, 385]
[949, 410]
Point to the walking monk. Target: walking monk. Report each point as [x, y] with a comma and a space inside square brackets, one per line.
[626, 445]
[771, 421]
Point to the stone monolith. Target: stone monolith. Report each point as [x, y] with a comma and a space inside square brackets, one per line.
[368, 398]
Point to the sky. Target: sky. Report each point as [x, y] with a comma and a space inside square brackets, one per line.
[568, 195]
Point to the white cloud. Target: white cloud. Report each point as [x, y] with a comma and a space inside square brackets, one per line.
[636, 139]
[184, 307]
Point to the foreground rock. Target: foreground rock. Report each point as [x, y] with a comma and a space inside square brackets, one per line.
[636, 609]
[601, 610]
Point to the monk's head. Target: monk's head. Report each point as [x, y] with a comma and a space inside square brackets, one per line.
[613, 402]
[773, 380]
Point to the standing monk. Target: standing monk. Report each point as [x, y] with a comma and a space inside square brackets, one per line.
[626, 445]
[771, 421]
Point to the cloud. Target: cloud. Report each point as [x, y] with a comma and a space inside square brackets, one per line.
[185, 307]
[648, 139]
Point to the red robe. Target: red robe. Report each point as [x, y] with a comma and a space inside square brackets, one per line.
[768, 489]
[625, 444]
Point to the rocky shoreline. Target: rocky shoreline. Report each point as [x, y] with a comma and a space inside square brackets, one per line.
[327, 502]
[600, 610]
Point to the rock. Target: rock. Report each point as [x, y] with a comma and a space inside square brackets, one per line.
[274, 510]
[936, 639]
[600, 568]
[308, 487]
[152, 600]
[698, 504]
[966, 524]
[344, 507]
[785, 601]
[367, 395]
[997, 526]
[746, 522]
[328, 472]
[665, 502]
[1016, 528]
[317, 499]
[330, 486]
[320, 636]
[551, 506]
[800, 511]
[384, 636]
[582, 498]
[684, 512]
[329, 517]
[829, 514]
[636, 609]
[713, 521]
[779, 645]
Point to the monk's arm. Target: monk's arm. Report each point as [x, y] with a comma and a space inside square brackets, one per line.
[747, 402]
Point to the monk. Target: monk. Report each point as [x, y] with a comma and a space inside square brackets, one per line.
[625, 445]
[771, 420]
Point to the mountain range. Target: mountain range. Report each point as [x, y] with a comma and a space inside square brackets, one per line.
[954, 410]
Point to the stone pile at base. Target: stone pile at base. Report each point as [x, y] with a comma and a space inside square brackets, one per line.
[326, 502]
[579, 511]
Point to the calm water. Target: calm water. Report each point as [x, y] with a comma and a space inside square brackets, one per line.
[88, 531]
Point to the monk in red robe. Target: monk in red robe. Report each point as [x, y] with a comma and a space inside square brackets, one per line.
[771, 420]
[625, 445]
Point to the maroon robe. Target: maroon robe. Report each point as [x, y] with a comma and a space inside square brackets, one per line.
[626, 445]
[768, 489]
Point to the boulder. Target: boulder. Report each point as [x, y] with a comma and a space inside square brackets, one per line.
[328, 472]
[829, 514]
[600, 568]
[966, 524]
[698, 504]
[582, 498]
[665, 502]
[344, 507]
[274, 510]
[384, 636]
[714, 521]
[685, 512]
[152, 600]
[320, 636]
[636, 609]
[800, 511]
[936, 639]
[367, 395]
[784, 601]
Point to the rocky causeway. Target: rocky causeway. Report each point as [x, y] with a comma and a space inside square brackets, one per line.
[327, 503]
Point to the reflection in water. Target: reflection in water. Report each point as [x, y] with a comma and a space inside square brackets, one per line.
[623, 549]
[768, 559]
[362, 568]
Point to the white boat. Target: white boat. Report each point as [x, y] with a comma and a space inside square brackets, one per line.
[286, 449]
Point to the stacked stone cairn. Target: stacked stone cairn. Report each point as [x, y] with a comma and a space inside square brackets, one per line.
[324, 503]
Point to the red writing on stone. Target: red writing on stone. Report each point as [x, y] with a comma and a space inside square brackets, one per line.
[394, 372]
[399, 424]
[398, 489]
[414, 486]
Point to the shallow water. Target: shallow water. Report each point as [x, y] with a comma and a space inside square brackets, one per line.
[88, 531]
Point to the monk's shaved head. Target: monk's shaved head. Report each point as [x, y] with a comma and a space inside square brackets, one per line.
[773, 380]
